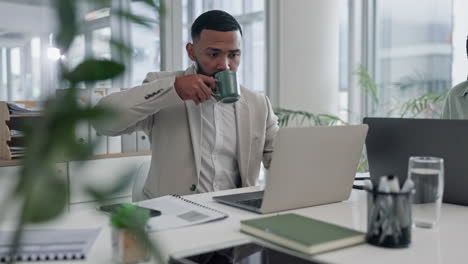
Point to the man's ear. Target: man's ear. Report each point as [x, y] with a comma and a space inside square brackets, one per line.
[190, 51]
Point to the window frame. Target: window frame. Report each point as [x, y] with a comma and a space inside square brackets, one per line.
[364, 28]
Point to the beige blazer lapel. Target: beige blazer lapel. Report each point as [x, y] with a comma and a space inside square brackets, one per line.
[244, 137]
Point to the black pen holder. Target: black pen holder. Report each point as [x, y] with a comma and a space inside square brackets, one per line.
[389, 219]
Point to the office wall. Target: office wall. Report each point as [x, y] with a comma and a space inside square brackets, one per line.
[307, 35]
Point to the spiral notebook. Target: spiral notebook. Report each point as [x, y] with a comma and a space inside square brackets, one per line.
[48, 244]
[179, 212]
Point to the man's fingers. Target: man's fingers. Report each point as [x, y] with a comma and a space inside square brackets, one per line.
[195, 87]
[201, 95]
[206, 90]
[209, 81]
[195, 94]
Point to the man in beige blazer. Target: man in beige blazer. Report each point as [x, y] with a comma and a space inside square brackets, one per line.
[198, 144]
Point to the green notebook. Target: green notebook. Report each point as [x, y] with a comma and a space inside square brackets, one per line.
[302, 233]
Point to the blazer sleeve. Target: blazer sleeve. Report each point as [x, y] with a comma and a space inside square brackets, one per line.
[136, 106]
[270, 134]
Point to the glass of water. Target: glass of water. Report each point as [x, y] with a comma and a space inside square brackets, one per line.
[427, 174]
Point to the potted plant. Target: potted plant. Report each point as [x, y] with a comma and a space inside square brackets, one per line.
[128, 224]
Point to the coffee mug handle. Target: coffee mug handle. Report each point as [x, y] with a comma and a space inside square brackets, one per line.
[216, 95]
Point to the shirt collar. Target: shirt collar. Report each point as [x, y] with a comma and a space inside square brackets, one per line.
[464, 92]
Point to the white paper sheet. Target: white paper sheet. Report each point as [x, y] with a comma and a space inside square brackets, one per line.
[178, 212]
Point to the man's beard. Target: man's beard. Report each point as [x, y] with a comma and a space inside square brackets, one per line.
[200, 69]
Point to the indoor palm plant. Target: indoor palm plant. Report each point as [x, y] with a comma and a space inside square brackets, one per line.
[426, 105]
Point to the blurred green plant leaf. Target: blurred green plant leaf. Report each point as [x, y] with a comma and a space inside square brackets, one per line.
[100, 194]
[363, 165]
[68, 28]
[44, 198]
[121, 47]
[95, 70]
[423, 103]
[53, 137]
[129, 216]
[141, 20]
[148, 2]
[417, 79]
[101, 3]
[134, 219]
[157, 5]
[366, 83]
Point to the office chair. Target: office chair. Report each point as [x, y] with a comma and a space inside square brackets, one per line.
[138, 182]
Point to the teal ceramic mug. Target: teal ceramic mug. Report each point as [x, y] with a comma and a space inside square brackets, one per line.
[227, 87]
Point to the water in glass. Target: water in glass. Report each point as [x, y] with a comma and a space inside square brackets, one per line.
[427, 175]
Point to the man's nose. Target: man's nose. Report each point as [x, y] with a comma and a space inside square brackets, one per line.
[223, 64]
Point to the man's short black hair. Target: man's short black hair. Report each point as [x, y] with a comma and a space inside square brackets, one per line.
[214, 20]
[467, 46]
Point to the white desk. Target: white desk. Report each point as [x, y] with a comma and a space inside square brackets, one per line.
[445, 245]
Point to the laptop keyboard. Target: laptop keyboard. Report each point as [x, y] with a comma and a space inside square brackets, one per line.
[257, 203]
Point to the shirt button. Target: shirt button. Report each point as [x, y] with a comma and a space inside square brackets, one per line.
[193, 187]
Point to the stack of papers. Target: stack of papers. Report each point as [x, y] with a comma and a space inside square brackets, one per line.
[17, 150]
[46, 244]
[18, 109]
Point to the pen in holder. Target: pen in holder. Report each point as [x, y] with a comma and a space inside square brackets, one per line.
[389, 219]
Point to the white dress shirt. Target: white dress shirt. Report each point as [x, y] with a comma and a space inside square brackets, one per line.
[219, 153]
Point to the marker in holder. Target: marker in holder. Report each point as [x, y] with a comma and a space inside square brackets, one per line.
[389, 218]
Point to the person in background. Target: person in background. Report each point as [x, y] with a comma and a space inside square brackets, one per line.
[198, 144]
[456, 104]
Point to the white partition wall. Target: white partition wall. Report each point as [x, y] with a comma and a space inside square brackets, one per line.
[304, 36]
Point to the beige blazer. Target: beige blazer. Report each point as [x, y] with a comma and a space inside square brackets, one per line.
[174, 129]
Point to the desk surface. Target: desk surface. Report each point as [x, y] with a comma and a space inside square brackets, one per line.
[443, 245]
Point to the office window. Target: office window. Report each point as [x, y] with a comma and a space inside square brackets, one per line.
[343, 91]
[146, 43]
[101, 49]
[26, 60]
[77, 51]
[413, 54]
[29, 58]
[251, 16]
[143, 41]
[93, 40]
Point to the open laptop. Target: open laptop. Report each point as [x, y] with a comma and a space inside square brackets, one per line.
[310, 166]
[391, 141]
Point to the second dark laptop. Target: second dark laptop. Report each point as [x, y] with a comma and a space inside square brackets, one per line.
[391, 141]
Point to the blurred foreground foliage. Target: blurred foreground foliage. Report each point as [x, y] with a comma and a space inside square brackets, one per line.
[41, 191]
